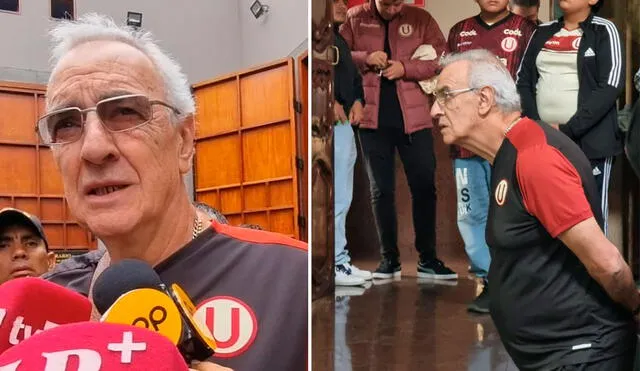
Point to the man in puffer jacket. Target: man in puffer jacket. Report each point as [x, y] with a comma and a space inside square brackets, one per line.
[383, 35]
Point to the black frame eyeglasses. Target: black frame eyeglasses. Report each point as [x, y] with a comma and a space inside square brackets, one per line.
[116, 114]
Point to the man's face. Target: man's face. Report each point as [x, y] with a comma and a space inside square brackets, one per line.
[528, 12]
[339, 11]
[22, 253]
[574, 6]
[113, 182]
[493, 6]
[388, 9]
[457, 115]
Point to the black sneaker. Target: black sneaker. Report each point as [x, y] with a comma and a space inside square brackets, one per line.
[481, 303]
[436, 270]
[387, 269]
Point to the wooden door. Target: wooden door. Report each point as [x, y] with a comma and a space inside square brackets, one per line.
[29, 179]
[303, 143]
[245, 160]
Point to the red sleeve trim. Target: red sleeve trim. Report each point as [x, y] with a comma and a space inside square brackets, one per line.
[258, 236]
[551, 189]
[561, 228]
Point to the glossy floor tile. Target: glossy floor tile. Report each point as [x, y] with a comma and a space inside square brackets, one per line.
[406, 324]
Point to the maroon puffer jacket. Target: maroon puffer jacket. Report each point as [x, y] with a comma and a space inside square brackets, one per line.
[364, 33]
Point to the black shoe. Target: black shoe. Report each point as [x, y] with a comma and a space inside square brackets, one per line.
[436, 270]
[387, 269]
[481, 303]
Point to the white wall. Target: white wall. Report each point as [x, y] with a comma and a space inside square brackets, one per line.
[207, 37]
[23, 40]
[203, 36]
[275, 35]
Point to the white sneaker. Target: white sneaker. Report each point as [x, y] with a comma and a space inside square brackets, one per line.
[345, 277]
[365, 275]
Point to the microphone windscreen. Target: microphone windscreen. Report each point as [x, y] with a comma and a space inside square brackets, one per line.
[31, 304]
[120, 278]
[93, 346]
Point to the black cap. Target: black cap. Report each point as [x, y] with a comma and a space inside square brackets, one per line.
[11, 216]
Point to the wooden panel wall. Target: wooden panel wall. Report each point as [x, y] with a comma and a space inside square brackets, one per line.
[28, 178]
[246, 147]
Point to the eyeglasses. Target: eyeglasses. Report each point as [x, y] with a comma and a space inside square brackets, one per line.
[443, 95]
[117, 114]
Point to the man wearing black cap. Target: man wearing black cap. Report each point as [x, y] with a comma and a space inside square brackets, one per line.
[24, 250]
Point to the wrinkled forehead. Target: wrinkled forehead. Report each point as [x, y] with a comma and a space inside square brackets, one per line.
[454, 75]
[92, 69]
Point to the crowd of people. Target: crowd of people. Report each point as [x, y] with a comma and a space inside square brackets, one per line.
[529, 111]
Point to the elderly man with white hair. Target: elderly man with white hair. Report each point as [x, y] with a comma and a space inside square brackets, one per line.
[120, 122]
[562, 297]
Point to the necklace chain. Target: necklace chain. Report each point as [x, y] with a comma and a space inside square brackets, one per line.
[511, 125]
[197, 226]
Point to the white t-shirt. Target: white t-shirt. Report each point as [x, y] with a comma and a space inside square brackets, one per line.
[558, 85]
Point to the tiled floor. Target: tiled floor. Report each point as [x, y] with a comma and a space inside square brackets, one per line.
[407, 324]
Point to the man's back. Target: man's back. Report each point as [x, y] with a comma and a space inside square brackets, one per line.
[548, 309]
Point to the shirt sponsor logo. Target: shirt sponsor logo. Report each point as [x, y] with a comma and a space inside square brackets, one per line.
[509, 44]
[501, 192]
[515, 32]
[468, 33]
[232, 322]
[465, 43]
[369, 25]
[405, 30]
[552, 42]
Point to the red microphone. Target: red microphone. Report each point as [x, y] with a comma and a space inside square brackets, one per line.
[94, 346]
[30, 305]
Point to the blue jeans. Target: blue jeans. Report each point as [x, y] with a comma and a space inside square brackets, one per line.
[473, 179]
[344, 161]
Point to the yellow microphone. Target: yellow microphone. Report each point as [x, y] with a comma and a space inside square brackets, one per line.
[130, 292]
[148, 308]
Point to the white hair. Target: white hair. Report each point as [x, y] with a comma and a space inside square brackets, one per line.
[485, 69]
[66, 35]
